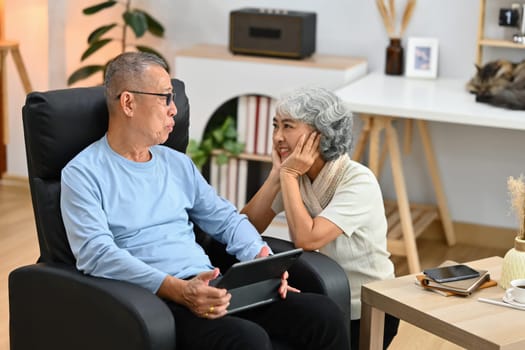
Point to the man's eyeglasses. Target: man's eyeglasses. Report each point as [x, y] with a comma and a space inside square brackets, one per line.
[169, 96]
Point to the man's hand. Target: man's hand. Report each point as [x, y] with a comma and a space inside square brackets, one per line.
[284, 288]
[203, 300]
[265, 251]
[197, 295]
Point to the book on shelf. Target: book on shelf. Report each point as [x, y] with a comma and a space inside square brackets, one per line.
[269, 131]
[251, 124]
[462, 287]
[255, 123]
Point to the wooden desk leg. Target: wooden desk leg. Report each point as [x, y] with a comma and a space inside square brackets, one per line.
[402, 199]
[407, 140]
[378, 124]
[362, 140]
[436, 181]
[372, 328]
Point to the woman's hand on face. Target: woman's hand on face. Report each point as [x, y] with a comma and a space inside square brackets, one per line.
[303, 156]
[276, 164]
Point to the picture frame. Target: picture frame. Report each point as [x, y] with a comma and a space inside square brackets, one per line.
[422, 57]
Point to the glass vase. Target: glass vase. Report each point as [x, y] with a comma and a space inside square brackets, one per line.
[394, 57]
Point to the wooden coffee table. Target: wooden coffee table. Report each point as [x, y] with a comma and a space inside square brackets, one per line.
[462, 320]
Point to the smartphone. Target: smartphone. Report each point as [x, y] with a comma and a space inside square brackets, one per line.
[451, 273]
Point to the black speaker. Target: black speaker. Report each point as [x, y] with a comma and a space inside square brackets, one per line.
[272, 32]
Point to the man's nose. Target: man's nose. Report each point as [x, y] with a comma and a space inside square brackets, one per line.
[172, 110]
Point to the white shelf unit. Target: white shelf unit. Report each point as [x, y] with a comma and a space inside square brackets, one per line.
[484, 42]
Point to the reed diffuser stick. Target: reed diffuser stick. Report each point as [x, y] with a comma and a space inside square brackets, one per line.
[388, 16]
[387, 20]
[392, 10]
[407, 15]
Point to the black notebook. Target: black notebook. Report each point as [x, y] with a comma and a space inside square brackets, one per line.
[461, 287]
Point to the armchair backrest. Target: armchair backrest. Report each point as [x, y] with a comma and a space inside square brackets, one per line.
[57, 126]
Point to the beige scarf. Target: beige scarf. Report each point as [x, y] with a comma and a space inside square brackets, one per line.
[318, 194]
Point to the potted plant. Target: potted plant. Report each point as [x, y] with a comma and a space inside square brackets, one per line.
[140, 23]
[219, 140]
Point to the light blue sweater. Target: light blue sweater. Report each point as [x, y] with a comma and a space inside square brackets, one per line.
[133, 221]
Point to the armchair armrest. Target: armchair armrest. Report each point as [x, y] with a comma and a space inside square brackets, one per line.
[51, 301]
[317, 273]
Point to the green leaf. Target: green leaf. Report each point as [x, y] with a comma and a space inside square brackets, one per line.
[218, 136]
[136, 21]
[94, 47]
[222, 158]
[230, 133]
[199, 162]
[83, 73]
[97, 33]
[154, 27]
[207, 145]
[233, 147]
[193, 147]
[94, 9]
[198, 155]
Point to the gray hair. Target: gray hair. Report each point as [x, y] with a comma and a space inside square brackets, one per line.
[126, 72]
[326, 113]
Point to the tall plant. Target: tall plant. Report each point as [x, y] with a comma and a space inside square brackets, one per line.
[139, 21]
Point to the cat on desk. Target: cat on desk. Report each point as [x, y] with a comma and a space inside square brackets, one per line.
[500, 83]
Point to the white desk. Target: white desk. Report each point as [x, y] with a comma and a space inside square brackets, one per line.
[380, 99]
[440, 100]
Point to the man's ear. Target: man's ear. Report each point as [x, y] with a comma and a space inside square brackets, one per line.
[127, 103]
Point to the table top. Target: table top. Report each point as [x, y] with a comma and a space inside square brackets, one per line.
[441, 100]
[462, 320]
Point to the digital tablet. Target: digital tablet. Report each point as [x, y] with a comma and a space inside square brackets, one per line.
[451, 273]
[256, 282]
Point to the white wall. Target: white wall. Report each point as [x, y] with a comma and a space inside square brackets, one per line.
[475, 161]
[27, 23]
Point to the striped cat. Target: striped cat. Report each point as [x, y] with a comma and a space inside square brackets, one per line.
[500, 83]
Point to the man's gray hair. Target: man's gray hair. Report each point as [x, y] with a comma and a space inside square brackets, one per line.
[126, 72]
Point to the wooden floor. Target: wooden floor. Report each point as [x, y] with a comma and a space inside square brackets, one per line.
[19, 246]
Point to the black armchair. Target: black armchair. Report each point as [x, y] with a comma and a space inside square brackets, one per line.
[54, 306]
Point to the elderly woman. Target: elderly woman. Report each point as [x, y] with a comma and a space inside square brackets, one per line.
[332, 203]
